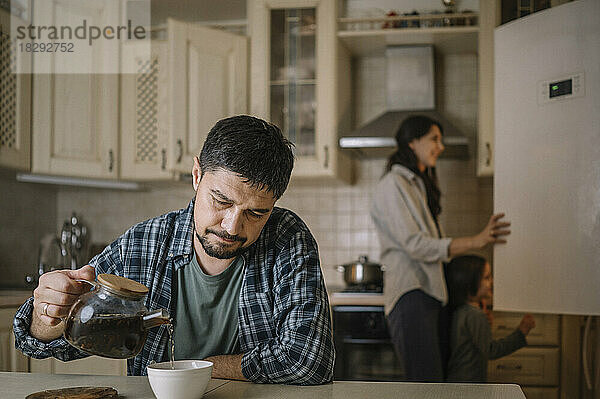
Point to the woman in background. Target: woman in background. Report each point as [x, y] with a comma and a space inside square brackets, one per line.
[469, 280]
[405, 211]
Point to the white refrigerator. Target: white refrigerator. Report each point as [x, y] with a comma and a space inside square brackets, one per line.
[547, 167]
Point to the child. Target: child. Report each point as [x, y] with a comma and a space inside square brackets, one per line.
[469, 280]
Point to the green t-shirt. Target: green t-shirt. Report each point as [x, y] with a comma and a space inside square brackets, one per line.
[207, 311]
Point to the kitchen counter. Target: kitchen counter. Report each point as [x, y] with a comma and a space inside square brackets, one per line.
[13, 298]
[356, 390]
[354, 298]
[19, 385]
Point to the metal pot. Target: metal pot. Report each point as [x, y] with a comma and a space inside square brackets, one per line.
[362, 272]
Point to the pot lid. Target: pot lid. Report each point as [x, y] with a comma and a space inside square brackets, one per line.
[363, 260]
[122, 285]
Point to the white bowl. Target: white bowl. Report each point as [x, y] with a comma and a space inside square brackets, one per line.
[188, 380]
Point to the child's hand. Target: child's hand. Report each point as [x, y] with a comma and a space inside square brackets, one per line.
[527, 323]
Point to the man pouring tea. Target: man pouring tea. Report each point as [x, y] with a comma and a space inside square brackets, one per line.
[239, 276]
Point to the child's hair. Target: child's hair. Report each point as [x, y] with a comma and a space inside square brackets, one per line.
[463, 276]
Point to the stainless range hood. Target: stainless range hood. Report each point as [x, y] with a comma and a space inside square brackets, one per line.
[410, 90]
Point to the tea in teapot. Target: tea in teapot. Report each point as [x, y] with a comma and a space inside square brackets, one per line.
[111, 320]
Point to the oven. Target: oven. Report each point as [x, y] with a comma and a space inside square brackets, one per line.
[364, 351]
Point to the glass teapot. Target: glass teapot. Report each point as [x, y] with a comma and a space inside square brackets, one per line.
[111, 320]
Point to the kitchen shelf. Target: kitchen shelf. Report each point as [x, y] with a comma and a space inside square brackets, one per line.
[446, 40]
[366, 36]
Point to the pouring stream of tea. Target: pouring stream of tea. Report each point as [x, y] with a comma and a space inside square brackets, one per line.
[172, 342]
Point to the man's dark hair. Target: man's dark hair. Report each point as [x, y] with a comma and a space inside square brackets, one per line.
[254, 149]
[463, 276]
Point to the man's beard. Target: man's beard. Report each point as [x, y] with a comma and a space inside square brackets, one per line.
[220, 251]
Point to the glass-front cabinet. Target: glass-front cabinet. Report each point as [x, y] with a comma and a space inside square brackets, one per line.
[294, 79]
[292, 76]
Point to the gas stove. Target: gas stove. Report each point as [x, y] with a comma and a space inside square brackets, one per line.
[357, 295]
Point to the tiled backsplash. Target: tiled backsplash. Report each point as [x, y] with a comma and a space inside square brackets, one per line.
[336, 214]
[28, 211]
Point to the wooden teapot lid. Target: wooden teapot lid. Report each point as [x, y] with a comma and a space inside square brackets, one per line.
[122, 285]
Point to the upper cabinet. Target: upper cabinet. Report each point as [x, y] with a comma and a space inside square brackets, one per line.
[76, 116]
[146, 123]
[75, 125]
[188, 82]
[295, 79]
[489, 18]
[145, 112]
[15, 133]
[208, 82]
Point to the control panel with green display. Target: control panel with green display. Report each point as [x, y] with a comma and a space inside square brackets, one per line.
[561, 88]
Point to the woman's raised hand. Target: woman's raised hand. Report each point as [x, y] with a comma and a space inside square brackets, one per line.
[495, 232]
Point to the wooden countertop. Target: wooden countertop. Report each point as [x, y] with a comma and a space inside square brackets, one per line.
[19, 385]
[13, 298]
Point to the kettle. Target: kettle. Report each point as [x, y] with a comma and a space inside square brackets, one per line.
[111, 320]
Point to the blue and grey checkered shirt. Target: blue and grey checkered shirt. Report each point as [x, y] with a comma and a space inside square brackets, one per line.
[283, 311]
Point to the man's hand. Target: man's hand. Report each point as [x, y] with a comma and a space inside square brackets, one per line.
[527, 323]
[53, 297]
[228, 367]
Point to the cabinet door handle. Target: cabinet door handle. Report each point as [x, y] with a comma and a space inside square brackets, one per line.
[488, 149]
[326, 162]
[507, 367]
[111, 160]
[163, 164]
[180, 147]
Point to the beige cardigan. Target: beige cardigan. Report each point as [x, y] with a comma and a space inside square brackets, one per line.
[410, 248]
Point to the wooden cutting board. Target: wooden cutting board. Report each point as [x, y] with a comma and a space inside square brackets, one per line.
[76, 393]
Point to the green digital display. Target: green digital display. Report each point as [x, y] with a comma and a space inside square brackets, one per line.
[561, 88]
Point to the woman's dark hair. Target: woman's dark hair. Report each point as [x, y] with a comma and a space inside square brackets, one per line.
[252, 148]
[415, 127]
[463, 277]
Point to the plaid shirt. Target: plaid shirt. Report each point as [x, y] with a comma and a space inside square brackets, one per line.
[283, 310]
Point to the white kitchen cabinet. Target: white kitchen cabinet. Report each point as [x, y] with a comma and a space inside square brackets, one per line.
[15, 133]
[75, 121]
[144, 112]
[10, 358]
[299, 79]
[537, 366]
[207, 82]
[527, 366]
[540, 393]
[489, 18]
[546, 331]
